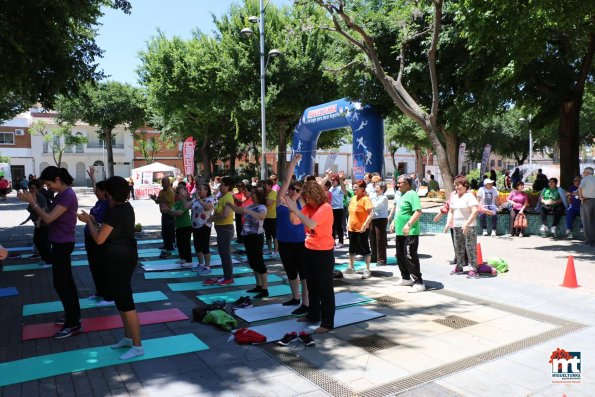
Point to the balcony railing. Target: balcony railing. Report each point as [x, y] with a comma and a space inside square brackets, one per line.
[93, 145]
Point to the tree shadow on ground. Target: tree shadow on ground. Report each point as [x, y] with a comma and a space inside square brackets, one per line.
[578, 250]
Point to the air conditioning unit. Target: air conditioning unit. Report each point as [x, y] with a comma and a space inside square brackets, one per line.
[19, 132]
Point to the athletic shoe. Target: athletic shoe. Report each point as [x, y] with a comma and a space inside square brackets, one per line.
[473, 274]
[105, 303]
[338, 245]
[543, 229]
[554, 230]
[242, 303]
[405, 283]
[258, 288]
[211, 281]
[494, 233]
[288, 338]
[417, 288]
[165, 255]
[568, 231]
[223, 281]
[60, 321]
[581, 230]
[186, 264]
[181, 262]
[306, 339]
[366, 274]
[457, 270]
[267, 252]
[485, 232]
[300, 311]
[44, 265]
[349, 270]
[67, 332]
[508, 235]
[521, 234]
[264, 293]
[291, 302]
[204, 270]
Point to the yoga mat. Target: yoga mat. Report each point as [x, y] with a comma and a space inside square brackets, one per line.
[172, 266]
[232, 296]
[95, 357]
[38, 331]
[18, 268]
[56, 306]
[10, 291]
[187, 274]
[198, 285]
[346, 316]
[277, 310]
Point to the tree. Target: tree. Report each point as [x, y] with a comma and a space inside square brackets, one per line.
[150, 146]
[48, 48]
[105, 105]
[4, 159]
[401, 131]
[58, 139]
[544, 53]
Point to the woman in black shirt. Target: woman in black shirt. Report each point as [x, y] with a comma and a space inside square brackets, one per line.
[117, 233]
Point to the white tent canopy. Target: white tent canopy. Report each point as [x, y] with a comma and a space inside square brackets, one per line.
[144, 178]
[155, 167]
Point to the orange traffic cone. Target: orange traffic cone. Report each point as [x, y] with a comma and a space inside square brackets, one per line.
[570, 275]
[479, 255]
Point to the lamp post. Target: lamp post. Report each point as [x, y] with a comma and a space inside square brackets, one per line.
[528, 121]
[263, 66]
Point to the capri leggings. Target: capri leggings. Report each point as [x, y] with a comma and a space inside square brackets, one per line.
[201, 238]
[120, 272]
[253, 244]
[292, 257]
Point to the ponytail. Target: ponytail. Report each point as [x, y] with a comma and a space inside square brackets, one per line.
[51, 173]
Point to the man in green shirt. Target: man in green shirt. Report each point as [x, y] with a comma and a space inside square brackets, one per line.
[433, 184]
[407, 229]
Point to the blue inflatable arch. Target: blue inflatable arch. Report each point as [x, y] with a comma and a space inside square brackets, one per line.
[368, 135]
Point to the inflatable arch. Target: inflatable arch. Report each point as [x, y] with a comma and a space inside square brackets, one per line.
[368, 135]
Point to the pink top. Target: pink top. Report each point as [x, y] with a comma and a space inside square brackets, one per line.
[518, 199]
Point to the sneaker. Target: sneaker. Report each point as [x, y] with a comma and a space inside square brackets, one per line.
[181, 262]
[306, 339]
[165, 255]
[457, 270]
[211, 281]
[508, 235]
[338, 245]
[67, 332]
[204, 270]
[300, 311]
[405, 283]
[44, 265]
[223, 281]
[493, 233]
[554, 230]
[186, 265]
[473, 274]
[485, 232]
[417, 288]
[275, 254]
[291, 302]
[105, 303]
[288, 338]
[543, 229]
[349, 270]
[124, 342]
[242, 303]
[521, 234]
[568, 231]
[267, 252]
[262, 294]
[366, 274]
[135, 351]
[258, 288]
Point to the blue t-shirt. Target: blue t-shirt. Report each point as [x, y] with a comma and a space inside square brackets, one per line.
[287, 232]
[98, 211]
[575, 202]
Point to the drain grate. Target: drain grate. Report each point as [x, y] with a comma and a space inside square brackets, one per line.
[388, 300]
[373, 343]
[455, 322]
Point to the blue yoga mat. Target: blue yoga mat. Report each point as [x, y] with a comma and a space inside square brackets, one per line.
[56, 306]
[10, 291]
[18, 268]
[91, 358]
[218, 271]
[197, 285]
[232, 296]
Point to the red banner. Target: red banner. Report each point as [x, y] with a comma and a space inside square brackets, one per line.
[188, 155]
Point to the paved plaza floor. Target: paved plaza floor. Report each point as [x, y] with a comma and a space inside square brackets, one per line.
[461, 337]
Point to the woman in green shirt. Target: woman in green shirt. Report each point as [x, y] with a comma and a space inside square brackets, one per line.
[183, 225]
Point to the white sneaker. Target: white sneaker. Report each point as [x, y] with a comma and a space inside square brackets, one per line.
[485, 232]
[180, 262]
[187, 264]
[521, 234]
[543, 229]
[405, 283]
[417, 288]
[366, 274]
[349, 270]
[554, 230]
[493, 233]
[568, 231]
[338, 245]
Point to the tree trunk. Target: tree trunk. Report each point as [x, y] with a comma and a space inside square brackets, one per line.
[452, 151]
[393, 151]
[206, 160]
[419, 168]
[569, 140]
[107, 138]
[232, 157]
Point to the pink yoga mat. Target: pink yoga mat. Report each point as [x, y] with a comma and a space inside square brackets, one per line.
[39, 331]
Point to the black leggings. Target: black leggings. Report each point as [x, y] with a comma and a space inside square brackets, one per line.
[378, 239]
[253, 244]
[120, 270]
[319, 273]
[42, 242]
[98, 267]
[64, 283]
[183, 240]
[292, 257]
[338, 218]
[201, 238]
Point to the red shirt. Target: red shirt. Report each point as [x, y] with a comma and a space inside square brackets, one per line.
[4, 184]
[321, 237]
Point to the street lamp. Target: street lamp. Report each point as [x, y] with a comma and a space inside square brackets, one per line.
[263, 66]
[528, 121]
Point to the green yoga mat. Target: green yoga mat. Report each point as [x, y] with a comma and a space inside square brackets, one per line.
[218, 271]
[56, 306]
[197, 285]
[232, 296]
[91, 358]
[17, 268]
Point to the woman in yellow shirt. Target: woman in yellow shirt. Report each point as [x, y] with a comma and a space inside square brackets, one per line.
[361, 212]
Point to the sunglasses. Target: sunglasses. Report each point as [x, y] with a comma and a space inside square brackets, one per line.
[295, 189]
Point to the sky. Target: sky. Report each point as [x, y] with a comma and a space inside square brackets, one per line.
[122, 36]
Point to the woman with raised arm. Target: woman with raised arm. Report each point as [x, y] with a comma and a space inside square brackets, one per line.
[62, 221]
[319, 258]
[291, 240]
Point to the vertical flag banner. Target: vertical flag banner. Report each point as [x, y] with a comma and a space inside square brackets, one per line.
[188, 155]
[462, 148]
[484, 160]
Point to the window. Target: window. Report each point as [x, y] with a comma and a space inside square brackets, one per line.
[6, 138]
[80, 148]
[113, 141]
[492, 163]
[499, 163]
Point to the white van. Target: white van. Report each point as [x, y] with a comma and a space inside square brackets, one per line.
[5, 172]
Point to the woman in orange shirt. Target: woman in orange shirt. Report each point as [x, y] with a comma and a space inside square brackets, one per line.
[319, 257]
[361, 212]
